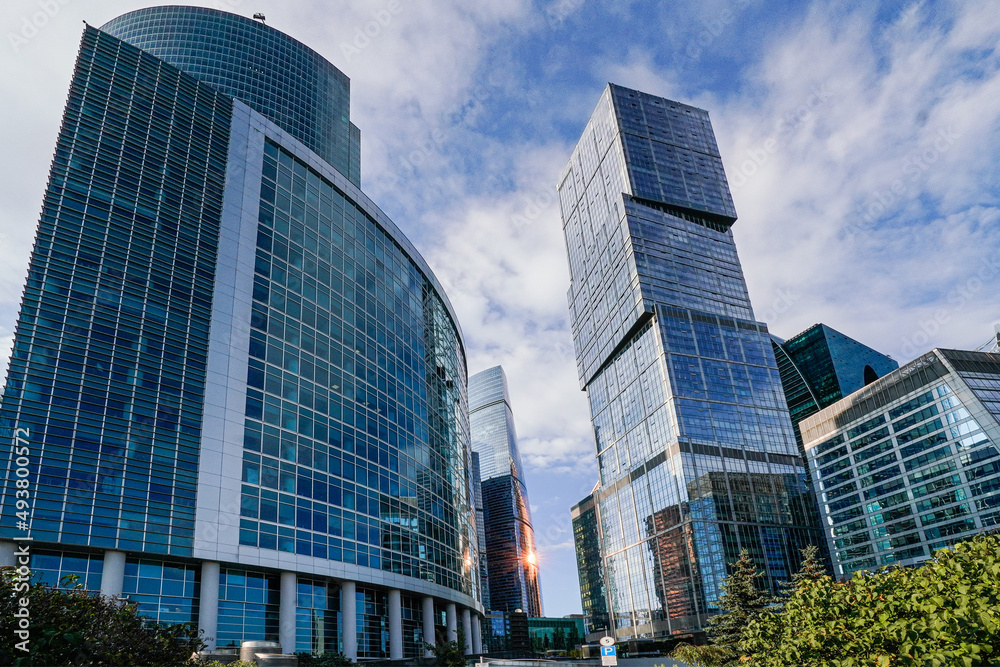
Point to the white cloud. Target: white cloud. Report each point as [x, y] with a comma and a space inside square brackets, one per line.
[502, 263]
[874, 204]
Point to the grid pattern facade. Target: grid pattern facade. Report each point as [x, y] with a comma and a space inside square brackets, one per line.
[372, 623]
[671, 155]
[413, 627]
[277, 76]
[248, 606]
[509, 537]
[163, 591]
[510, 547]
[354, 447]
[586, 539]
[695, 448]
[49, 567]
[911, 464]
[477, 501]
[109, 361]
[317, 617]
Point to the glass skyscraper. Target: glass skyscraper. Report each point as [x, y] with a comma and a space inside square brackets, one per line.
[911, 463]
[242, 388]
[820, 366]
[511, 558]
[589, 568]
[695, 448]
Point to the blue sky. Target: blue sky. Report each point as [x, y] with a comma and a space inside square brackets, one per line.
[861, 143]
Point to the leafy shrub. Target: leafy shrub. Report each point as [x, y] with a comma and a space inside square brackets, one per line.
[74, 627]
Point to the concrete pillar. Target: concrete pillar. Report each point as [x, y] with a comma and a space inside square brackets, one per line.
[428, 616]
[7, 557]
[349, 614]
[208, 603]
[477, 635]
[286, 612]
[113, 573]
[452, 623]
[467, 630]
[395, 624]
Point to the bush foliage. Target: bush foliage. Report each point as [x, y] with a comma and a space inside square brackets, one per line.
[74, 627]
[946, 612]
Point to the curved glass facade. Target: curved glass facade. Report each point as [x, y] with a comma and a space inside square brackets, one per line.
[354, 440]
[244, 390]
[277, 76]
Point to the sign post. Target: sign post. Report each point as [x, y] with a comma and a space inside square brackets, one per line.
[609, 657]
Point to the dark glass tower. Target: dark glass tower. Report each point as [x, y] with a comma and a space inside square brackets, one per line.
[820, 366]
[510, 540]
[695, 448]
[587, 542]
[477, 498]
[244, 391]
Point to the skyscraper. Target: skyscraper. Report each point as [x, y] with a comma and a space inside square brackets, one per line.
[510, 540]
[243, 389]
[589, 568]
[911, 463]
[820, 366]
[695, 447]
[477, 501]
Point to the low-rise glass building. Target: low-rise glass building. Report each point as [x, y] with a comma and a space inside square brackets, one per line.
[909, 464]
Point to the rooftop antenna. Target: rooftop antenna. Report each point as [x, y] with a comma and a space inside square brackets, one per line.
[992, 345]
[258, 17]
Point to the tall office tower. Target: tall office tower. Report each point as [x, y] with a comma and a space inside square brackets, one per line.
[510, 540]
[911, 463]
[243, 390]
[695, 448]
[587, 542]
[477, 502]
[820, 366]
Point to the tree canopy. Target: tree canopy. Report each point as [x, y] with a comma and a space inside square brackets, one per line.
[945, 612]
[742, 599]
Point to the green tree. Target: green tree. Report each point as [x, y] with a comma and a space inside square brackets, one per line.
[449, 653]
[812, 568]
[742, 601]
[703, 656]
[945, 613]
[76, 627]
[559, 639]
[573, 638]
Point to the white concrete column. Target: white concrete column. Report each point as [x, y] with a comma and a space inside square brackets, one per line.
[113, 573]
[395, 624]
[286, 612]
[7, 557]
[467, 630]
[428, 616]
[477, 635]
[208, 603]
[452, 623]
[349, 614]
